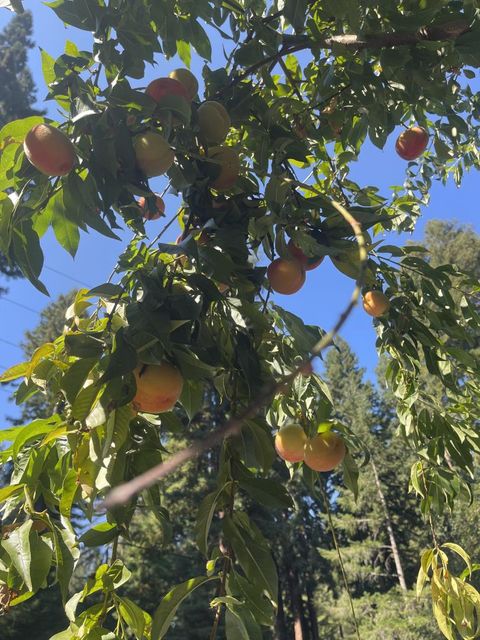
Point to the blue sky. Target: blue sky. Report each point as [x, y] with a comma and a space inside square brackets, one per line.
[319, 301]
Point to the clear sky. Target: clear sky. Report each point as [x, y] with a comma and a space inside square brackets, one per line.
[319, 301]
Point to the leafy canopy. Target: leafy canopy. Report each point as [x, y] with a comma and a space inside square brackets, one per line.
[305, 86]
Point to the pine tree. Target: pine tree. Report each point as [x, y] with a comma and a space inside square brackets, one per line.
[18, 88]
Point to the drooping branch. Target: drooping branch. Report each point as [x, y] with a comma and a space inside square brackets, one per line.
[121, 494]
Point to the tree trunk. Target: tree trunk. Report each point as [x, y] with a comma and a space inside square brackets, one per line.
[312, 612]
[391, 533]
[280, 631]
[297, 607]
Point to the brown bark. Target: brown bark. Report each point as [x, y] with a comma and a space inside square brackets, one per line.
[292, 43]
[448, 31]
[280, 631]
[299, 626]
[391, 533]
[312, 612]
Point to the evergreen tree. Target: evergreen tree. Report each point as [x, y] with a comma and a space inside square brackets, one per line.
[18, 88]
[51, 325]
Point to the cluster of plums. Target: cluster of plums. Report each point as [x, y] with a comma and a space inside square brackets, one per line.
[323, 452]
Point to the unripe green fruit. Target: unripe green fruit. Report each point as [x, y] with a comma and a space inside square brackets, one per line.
[290, 442]
[154, 154]
[214, 122]
[189, 81]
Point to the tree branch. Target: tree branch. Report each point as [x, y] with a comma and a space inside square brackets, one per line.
[121, 494]
[292, 44]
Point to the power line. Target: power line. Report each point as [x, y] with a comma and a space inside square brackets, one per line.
[19, 304]
[65, 275]
[11, 344]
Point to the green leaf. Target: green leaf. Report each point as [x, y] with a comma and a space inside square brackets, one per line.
[252, 553]
[170, 603]
[253, 596]
[241, 625]
[99, 535]
[107, 290]
[264, 490]
[48, 67]
[459, 551]
[15, 372]
[69, 491]
[33, 431]
[123, 359]
[83, 345]
[28, 253]
[17, 545]
[136, 618]
[185, 53]
[74, 378]
[84, 402]
[192, 398]
[295, 11]
[41, 554]
[17, 130]
[204, 519]
[65, 230]
[9, 491]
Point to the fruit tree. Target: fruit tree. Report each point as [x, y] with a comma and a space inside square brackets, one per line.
[258, 152]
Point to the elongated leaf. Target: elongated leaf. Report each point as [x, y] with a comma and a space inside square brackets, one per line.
[241, 625]
[65, 230]
[253, 554]
[204, 519]
[136, 618]
[15, 372]
[17, 545]
[34, 430]
[9, 491]
[170, 603]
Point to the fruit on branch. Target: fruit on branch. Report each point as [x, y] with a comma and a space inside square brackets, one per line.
[348, 262]
[290, 443]
[49, 150]
[189, 81]
[286, 276]
[228, 162]
[307, 262]
[213, 121]
[324, 451]
[223, 287]
[411, 143]
[306, 369]
[154, 154]
[376, 303]
[152, 213]
[162, 87]
[158, 387]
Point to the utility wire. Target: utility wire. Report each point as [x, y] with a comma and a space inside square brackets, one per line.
[11, 344]
[19, 304]
[65, 275]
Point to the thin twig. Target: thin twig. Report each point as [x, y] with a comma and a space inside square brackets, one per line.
[339, 554]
